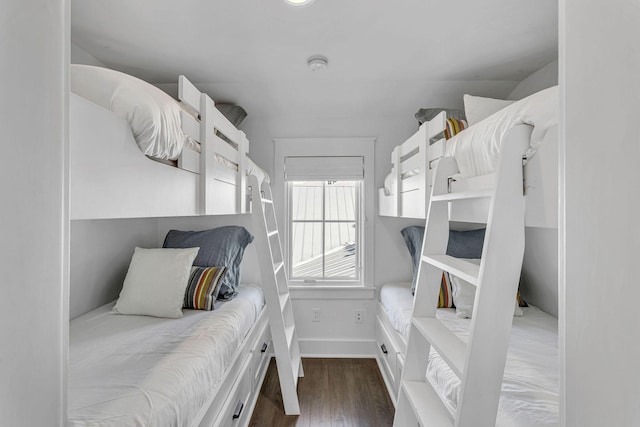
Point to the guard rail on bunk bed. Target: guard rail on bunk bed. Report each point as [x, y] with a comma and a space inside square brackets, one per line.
[111, 178]
[408, 186]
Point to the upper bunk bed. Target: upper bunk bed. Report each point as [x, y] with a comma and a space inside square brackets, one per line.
[476, 149]
[136, 152]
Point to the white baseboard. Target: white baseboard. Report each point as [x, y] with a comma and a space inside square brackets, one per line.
[327, 347]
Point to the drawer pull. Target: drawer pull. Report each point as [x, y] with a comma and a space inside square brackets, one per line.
[238, 411]
[264, 347]
[384, 349]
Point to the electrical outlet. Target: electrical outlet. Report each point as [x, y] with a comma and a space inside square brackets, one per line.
[357, 316]
[315, 314]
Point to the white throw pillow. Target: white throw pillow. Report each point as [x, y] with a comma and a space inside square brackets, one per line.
[156, 282]
[478, 108]
[464, 294]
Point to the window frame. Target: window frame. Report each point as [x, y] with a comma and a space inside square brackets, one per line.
[358, 219]
[329, 147]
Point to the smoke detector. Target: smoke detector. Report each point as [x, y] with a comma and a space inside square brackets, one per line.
[317, 63]
[298, 2]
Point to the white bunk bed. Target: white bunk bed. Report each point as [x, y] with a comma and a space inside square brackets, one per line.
[408, 186]
[110, 177]
[530, 388]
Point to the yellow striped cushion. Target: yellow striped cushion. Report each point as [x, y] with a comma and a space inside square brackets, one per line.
[203, 287]
[454, 127]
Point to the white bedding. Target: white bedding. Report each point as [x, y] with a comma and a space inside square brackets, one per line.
[477, 148]
[139, 370]
[153, 115]
[530, 386]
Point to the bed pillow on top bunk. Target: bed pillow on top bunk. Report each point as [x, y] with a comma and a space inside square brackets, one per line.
[153, 115]
[155, 282]
[478, 108]
[203, 288]
[464, 294]
[222, 246]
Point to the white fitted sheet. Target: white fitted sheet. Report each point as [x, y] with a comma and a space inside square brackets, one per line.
[140, 370]
[529, 396]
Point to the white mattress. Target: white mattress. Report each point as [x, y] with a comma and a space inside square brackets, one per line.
[530, 385]
[139, 370]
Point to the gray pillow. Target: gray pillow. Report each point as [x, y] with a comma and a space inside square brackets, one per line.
[427, 114]
[462, 244]
[219, 247]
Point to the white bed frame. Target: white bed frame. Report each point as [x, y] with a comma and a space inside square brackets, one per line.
[392, 347]
[410, 197]
[111, 178]
[237, 394]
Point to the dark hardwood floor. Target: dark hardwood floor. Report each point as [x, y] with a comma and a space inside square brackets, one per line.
[333, 392]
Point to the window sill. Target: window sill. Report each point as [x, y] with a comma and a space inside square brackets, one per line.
[332, 292]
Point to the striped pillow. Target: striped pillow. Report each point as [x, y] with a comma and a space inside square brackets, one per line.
[445, 299]
[454, 127]
[203, 287]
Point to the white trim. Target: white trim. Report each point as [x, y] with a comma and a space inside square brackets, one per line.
[364, 147]
[307, 292]
[331, 347]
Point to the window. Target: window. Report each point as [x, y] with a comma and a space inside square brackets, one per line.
[327, 189]
[324, 230]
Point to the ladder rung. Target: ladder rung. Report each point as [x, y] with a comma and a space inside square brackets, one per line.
[277, 266]
[283, 300]
[446, 343]
[288, 331]
[428, 406]
[462, 195]
[272, 233]
[465, 270]
[266, 201]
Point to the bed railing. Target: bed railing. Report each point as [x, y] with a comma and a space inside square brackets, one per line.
[221, 190]
[412, 163]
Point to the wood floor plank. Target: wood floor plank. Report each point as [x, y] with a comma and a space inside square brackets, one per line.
[333, 393]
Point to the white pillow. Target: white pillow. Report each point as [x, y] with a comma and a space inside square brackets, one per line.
[156, 282]
[464, 294]
[478, 108]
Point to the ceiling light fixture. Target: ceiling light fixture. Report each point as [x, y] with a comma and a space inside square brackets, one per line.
[298, 2]
[317, 63]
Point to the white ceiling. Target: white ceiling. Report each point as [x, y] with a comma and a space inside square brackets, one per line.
[386, 57]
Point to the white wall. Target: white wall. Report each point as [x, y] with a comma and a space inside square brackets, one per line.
[33, 119]
[545, 77]
[600, 238]
[539, 284]
[100, 254]
[81, 56]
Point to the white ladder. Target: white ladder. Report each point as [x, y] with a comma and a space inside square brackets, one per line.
[276, 294]
[480, 363]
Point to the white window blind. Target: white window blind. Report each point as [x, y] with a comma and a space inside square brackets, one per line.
[321, 168]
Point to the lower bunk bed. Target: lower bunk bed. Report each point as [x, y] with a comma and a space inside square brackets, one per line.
[204, 369]
[530, 389]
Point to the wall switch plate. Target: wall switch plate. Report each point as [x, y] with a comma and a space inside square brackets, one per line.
[357, 316]
[315, 314]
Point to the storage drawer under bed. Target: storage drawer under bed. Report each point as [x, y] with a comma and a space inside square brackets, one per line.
[387, 352]
[260, 354]
[235, 411]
